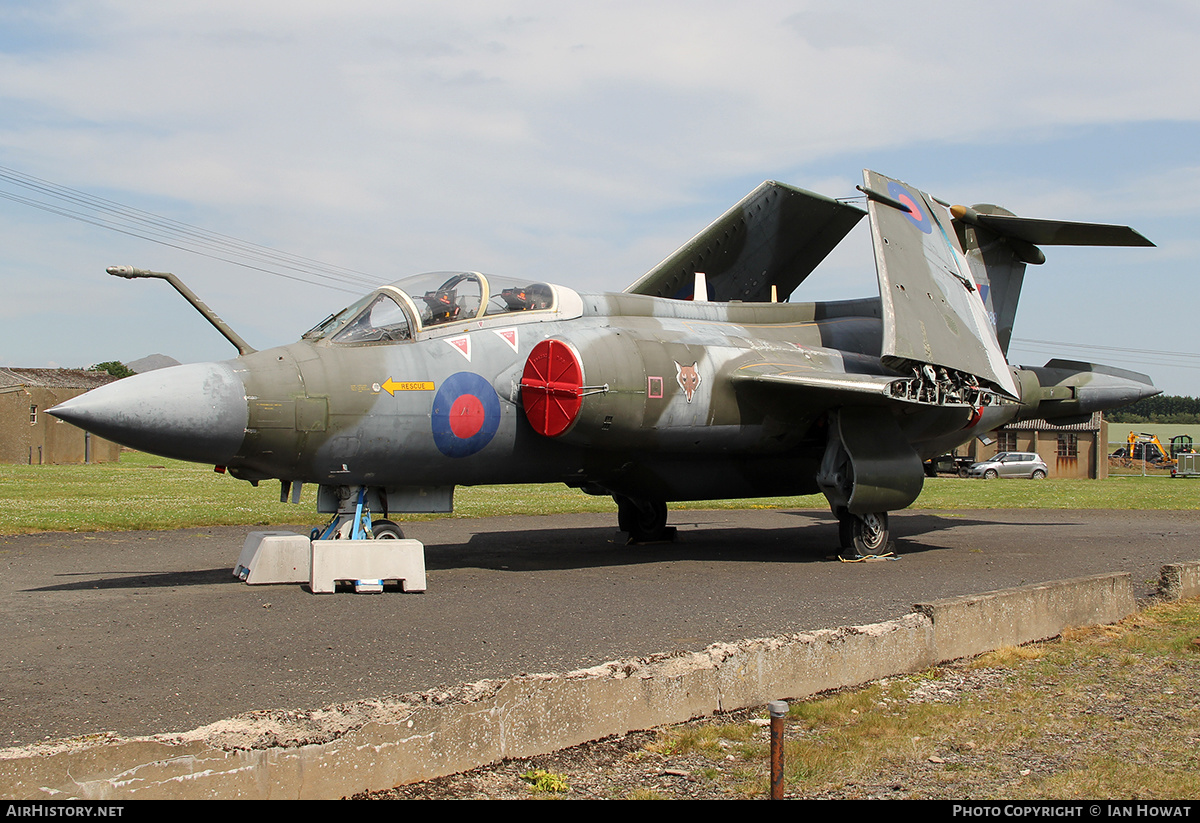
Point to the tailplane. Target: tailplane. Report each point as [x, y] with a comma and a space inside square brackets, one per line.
[998, 245]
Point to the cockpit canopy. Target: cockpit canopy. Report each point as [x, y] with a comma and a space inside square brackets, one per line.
[415, 304]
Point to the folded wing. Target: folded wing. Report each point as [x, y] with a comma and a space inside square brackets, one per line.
[775, 236]
[935, 323]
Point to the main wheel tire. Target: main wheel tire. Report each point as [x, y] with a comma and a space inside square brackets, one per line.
[645, 521]
[845, 528]
[870, 533]
[990, 474]
[1039, 475]
[386, 530]
[627, 513]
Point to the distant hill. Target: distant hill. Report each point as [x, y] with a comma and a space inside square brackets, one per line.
[152, 362]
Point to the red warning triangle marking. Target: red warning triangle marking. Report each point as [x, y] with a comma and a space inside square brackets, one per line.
[509, 336]
[462, 345]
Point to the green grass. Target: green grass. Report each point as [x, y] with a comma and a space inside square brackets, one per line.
[147, 492]
[1161, 493]
[540, 780]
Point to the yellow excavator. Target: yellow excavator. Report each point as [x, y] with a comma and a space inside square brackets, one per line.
[1143, 446]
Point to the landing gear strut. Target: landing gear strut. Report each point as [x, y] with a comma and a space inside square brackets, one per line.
[645, 521]
[353, 521]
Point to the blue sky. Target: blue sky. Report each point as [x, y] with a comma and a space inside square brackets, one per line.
[580, 143]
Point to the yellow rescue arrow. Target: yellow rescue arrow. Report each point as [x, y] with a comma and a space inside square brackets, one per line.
[391, 386]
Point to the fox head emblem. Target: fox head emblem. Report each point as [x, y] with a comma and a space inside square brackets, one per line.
[688, 379]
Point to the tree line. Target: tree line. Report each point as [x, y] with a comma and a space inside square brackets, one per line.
[1163, 408]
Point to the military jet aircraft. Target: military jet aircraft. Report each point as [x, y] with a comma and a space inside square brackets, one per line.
[700, 381]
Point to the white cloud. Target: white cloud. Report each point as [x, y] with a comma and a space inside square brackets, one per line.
[586, 139]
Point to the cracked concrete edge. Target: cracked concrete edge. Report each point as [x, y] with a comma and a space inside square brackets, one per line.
[343, 749]
[1180, 581]
[971, 625]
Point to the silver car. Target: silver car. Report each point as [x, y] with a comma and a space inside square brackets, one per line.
[1011, 464]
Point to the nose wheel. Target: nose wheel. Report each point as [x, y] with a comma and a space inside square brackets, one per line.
[386, 530]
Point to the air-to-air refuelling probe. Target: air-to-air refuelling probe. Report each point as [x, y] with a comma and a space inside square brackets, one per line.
[694, 383]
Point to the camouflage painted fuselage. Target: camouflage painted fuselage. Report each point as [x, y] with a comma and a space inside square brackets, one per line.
[377, 414]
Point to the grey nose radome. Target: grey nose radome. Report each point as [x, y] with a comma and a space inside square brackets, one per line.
[193, 412]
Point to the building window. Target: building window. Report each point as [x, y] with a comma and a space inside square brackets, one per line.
[1068, 445]
[32, 414]
[1006, 441]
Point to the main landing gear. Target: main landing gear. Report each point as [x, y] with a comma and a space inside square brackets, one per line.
[867, 470]
[645, 521]
[862, 535]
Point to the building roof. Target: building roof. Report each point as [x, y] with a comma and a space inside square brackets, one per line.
[1041, 425]
[53, 378]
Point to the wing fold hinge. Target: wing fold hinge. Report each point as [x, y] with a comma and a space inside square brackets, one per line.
[941, 386]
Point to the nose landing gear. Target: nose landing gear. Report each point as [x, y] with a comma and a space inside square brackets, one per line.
[352, 521]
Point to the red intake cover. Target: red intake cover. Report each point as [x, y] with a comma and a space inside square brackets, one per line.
[552, 387]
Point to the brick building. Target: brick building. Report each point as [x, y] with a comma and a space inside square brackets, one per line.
[29, 435]
[1078, 450]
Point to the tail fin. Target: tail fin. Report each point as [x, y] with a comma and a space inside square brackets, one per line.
[998, 245]
[997, 269]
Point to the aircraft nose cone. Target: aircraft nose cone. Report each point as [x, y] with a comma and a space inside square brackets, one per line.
[193, 412]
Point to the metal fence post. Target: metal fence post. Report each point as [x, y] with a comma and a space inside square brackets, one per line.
[778, 710]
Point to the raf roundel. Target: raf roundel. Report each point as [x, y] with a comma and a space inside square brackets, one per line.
[915, 211]
[466, 415]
